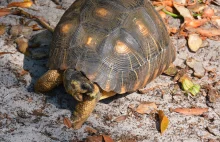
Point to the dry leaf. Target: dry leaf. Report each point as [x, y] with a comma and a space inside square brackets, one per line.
[194, 42]
[208, 32]
[107, 138]
[164, 121]
[22, 45]
[3, 53]
[190, 111]
[208, 13]
[25, 4]
[2, 29]
[94, 139]
[191, 23]
[90, 130]
[183, 11]
[4, 12]
[146, 107]
[39, 113]
[21, 30]
[67, 122]
[23, 72]
[120, 118]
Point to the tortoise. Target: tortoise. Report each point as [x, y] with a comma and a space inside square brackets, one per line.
[105, 47]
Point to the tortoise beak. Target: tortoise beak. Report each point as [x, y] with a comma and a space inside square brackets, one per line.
[78, 97]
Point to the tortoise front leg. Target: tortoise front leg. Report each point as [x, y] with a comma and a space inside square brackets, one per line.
[85, 92]
[48, 81]
[84, 109]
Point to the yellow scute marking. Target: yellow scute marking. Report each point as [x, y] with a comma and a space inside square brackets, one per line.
[142, 28]
[123, 89]
[102, 12]
[121, 47]
[66, 28]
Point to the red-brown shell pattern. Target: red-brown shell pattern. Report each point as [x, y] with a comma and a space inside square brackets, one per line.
[120, 44]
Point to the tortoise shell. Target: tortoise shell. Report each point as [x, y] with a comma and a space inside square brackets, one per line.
[119, 44]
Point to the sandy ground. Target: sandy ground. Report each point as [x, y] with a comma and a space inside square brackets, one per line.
[19, 121]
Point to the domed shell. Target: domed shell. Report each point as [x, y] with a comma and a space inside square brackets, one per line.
[119, 44]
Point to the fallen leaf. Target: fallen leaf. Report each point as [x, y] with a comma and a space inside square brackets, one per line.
[183, 11]
[208, 13]
[194, 42]
[107, 138]
[120, 118]
[67, 122]
[146, 107]
[208, 32]
[164, 121]
[94, 139]
[171, 71]
[91, 130]
[22, 45]
[23, 72]
[181, 73]
[216, 20]
[2, 29]
[4, 12]
[213, 95]
[39, 113]
[25, 4]
[21, 30]
[190, 111]
[3, 53]
[192, 23]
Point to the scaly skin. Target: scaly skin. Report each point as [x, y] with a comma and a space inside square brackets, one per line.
[50, 80]
[86, 104]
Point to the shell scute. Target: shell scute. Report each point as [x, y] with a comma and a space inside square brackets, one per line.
[119, 44]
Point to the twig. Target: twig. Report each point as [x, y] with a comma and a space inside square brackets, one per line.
[19, 11]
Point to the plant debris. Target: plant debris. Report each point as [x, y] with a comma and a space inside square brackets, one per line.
[146, 107]
[164, 121]
[190, 111]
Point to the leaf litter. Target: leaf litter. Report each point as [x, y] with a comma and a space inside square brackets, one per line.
[192, 29]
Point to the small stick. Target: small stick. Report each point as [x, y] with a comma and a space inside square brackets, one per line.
[37, 19]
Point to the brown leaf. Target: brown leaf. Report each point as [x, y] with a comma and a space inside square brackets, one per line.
[23, 72]
[2, 29]
[22, 45]
[120, 118]
[107, 138]
[189, 23]
[94, 139]
[25, 4]
[3, 53]
[164, 121]
[67, 122]
[190, 111]
[39, 113]
[208, 32]
[90, 130]
[146, 107]
[4, 12]
[213, 95]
